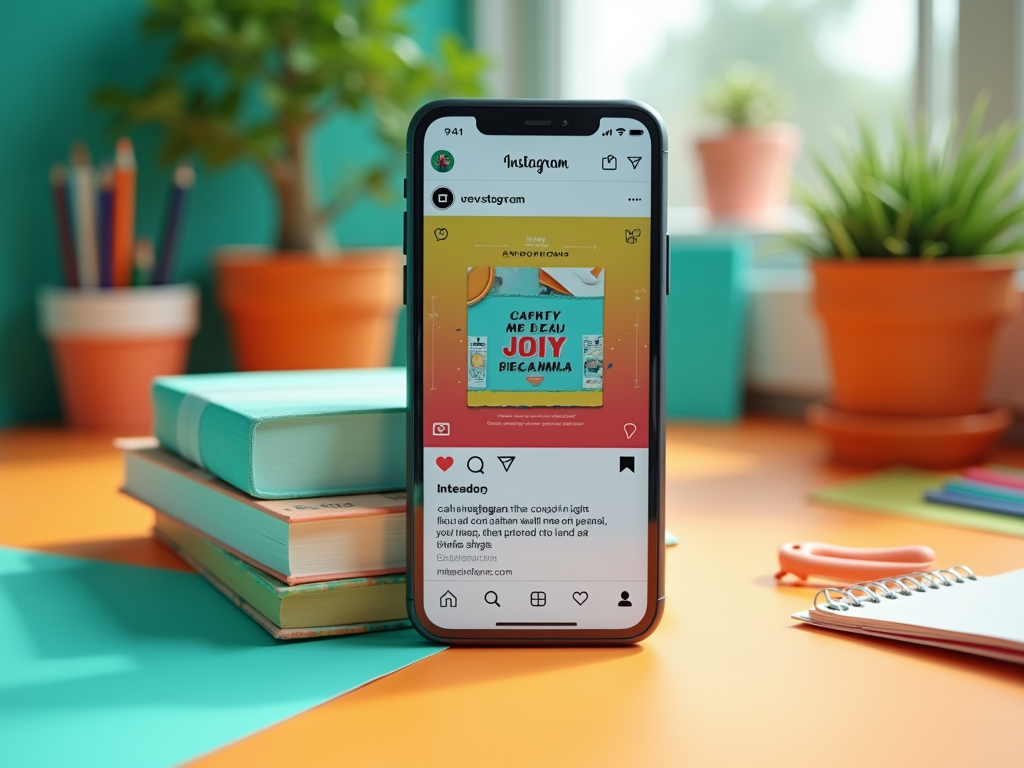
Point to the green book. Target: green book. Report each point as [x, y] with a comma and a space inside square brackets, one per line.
[288, 434]
[297, 540]
[900, 491]
[338, 607]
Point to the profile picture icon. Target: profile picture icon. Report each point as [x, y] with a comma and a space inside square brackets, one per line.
[442, 161]
[442, 198]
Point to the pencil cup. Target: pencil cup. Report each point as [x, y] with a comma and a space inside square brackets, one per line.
[108, 344]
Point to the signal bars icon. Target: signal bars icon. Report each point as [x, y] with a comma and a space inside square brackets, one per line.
[607, 133]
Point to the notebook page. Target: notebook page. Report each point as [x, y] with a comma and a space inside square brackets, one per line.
[991, 608]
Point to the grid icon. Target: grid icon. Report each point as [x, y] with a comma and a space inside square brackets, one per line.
[538, 599]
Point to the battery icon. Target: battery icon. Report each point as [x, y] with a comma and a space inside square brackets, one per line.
[636, 132]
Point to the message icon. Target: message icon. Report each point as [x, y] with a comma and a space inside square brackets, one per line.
[632, 235]
[440, 233]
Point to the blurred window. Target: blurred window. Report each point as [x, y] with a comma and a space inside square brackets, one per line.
[836, 61]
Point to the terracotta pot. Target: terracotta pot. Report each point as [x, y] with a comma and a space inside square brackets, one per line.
[912, 338]
[109, 344]
[747, 172]
[297, 312]
[933, 442]
[911, 346]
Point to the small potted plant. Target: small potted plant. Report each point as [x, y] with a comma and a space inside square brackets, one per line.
[251, 82]
[913, 271]
[747, 167]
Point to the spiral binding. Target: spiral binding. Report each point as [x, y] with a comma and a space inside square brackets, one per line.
[891, 588]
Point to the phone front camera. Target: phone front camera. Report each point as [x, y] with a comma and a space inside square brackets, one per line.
[565, 123]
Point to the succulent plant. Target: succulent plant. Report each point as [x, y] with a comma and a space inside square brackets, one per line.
[745, 97]
[924, 199]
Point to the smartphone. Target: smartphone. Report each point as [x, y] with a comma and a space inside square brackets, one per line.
[535, 286]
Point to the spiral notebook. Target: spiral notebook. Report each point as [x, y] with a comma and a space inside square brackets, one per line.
[948, 608]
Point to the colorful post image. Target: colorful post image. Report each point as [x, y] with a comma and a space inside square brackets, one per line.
[535, 336]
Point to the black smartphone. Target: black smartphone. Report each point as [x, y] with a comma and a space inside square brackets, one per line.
[535, 285]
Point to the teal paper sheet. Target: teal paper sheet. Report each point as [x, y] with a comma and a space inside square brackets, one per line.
[114, 665]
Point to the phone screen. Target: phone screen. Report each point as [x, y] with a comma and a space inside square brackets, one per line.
[536, 305]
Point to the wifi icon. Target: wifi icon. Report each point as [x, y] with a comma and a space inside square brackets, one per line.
[620, 131]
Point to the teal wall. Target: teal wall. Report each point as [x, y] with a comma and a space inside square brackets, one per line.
[53, 53]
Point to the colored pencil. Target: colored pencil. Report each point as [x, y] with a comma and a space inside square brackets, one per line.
[145, 260]
[59, 187]
[84, 185]
[106, 252]
[184, 178]
[124, 213]
[1004, 476]
[971, 501]
[963, 485]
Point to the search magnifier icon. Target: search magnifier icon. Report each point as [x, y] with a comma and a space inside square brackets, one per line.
[476, 465]
[491, 598]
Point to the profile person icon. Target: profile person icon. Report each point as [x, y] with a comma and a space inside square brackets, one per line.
[624, 602]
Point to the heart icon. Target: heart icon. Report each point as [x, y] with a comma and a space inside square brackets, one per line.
[580, 597]
[440, 233]
[629, 429]
[444, 462]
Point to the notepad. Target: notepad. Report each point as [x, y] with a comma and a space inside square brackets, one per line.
[948, 608]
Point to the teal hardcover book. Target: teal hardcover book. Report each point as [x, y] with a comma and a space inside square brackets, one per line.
[289, 434]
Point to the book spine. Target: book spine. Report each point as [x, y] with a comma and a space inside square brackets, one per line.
[225, 440]
[209, 435]
[165, 415]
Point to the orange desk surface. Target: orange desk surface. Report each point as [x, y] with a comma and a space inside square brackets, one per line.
[727, 680]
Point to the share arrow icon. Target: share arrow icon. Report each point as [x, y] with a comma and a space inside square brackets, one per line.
[635, 161]
[506, 461]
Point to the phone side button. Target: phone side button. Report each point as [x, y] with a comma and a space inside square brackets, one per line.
[405, 187]
[405, 276]
[668, 265]
[405, 233]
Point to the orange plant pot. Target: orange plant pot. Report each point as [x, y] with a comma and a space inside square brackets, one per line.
[939, 442]
[107, 346]
[911, 338]
[106, 384]
[297, 312]
[747, 174]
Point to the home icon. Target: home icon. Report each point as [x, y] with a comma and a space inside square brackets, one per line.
[448, 600]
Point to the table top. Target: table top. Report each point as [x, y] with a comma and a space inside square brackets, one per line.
[728, 678]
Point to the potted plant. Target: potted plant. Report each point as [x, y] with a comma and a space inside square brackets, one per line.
[747, 168]
[913, 272]
[252, 81]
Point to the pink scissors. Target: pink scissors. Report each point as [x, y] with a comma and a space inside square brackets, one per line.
[849, 565]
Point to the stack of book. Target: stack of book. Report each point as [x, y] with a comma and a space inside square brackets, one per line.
[286, 491]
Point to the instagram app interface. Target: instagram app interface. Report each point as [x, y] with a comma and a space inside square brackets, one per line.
[536, 388]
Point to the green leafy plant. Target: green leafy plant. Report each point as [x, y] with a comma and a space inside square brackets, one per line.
[745, 97]
[251, 79]
[923, 200]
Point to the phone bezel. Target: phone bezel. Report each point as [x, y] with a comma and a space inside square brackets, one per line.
[509, 117]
